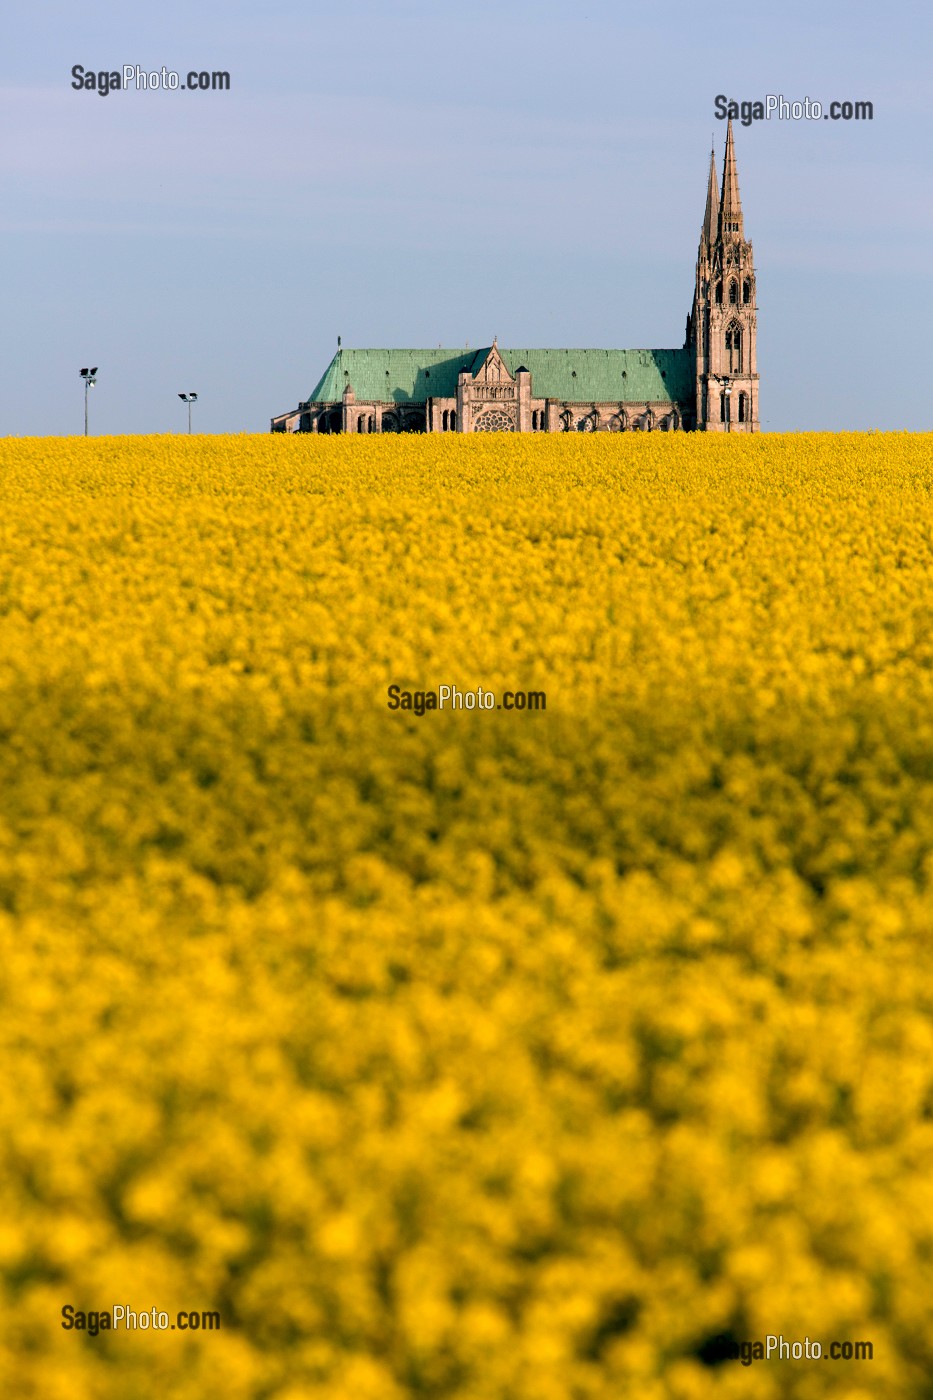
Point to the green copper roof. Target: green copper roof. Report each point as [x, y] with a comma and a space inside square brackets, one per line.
[413, 376]
[400, 376]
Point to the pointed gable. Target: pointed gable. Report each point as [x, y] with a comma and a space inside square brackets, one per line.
[493, 369]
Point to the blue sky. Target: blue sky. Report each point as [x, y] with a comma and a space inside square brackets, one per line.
[405, 173]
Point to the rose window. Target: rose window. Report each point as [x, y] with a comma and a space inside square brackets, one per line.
[494, 420]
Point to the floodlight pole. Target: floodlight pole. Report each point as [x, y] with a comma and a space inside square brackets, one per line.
[723, 379]
[90, 379]
[189, 398]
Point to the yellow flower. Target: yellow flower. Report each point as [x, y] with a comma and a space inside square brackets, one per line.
[472, 1053]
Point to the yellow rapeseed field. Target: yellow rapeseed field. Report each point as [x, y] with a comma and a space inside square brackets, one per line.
[479, 1054]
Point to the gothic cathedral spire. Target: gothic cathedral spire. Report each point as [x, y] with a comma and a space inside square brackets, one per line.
[711, 218]
[730, 206]
[723, 326]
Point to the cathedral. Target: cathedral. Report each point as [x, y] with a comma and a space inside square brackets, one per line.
[709, 385]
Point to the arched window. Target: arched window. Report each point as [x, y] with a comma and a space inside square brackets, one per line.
[453, 420]
[733, 293]
[372, 423]
[734, 349]
[746, 292]
[446, 420]
[722, 408]
[361, 423]
[719, 294]
[743, 408]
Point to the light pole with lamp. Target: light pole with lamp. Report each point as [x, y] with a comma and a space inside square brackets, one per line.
[726, 390]
[189, 399]
[90, 379]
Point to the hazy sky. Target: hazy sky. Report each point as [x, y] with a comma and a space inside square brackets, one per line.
[406, 173]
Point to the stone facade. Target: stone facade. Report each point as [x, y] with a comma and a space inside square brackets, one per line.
[710, 384]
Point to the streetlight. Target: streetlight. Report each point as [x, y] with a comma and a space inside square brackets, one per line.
[90, 379]
[723, 379]
[189, 399]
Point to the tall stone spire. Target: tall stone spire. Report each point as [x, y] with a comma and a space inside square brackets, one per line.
[730, 206]
[711, 217]
[723, 325]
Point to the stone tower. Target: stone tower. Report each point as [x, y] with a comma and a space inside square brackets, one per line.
[723, 326]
